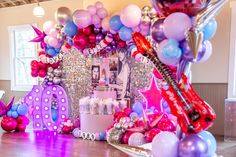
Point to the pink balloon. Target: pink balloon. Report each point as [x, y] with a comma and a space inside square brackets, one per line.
[46, 39]
[52, 41]
[105, 24]
[92, 9]
[176, 24]
[96, 20]
[82, 18]
[53, 33]
[102, 13]
[99, 5]
[208, 51]
[131, 15]
[58, 45]
[47, 26]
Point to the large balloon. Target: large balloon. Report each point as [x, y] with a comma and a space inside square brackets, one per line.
[136, 139]
[210, 140]
[192, 146]
[115, 23]
[70, 29]
[63, 15]
[82, 18]
[176, 24]
[165, 144]
[190, 7]
[169, 52]
[131, 15]
[125, 33]
[157, 30]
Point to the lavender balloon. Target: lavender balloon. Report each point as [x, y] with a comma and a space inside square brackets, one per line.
[208, 51]
[99, 37]
[102, 13]
[193, 146]
[92, 9]
[136, 139]
[82, 18]
[96, 20]
[157, 31]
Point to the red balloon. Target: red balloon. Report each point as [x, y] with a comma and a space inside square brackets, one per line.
[41, 53]
[21, 127]
[166, 124]
[92, 38]
[88, 30]
[190, 7]
[22, 120]
[125, 138]
[34, 65]
[80, 41]
[42, 65]
[149, 135]
[121, 44]
[66, 129]
[68, 46]
[34, 73]
[8, 124]
[127, 111]
[42, 73]
[117, 37]
[55, 65]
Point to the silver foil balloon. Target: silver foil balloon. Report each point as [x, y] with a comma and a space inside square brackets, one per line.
[56, 80]
[145, 10]
[50, 69]
[152, 12]
[63, 15]
[57, 72]
[146, 20]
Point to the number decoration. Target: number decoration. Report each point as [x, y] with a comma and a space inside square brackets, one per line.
[41, 100]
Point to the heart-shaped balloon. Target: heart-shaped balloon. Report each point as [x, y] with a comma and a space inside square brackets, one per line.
[190, 7]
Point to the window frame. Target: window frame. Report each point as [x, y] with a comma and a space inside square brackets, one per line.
[15, 87]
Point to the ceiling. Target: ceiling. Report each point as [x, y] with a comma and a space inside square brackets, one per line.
[12, 3]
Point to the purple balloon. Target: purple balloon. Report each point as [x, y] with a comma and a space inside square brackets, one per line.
[193, 146]
[102, 13]
[157, 31]
[144, 27]
[187, 53]
[104, 32]
[96, 20]
[97, 30]
[113, 42]
[108, 48]
[208, 51]
[92, 9]
[82, 18]
[99, 37]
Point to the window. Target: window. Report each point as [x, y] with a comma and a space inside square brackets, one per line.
[22, 53]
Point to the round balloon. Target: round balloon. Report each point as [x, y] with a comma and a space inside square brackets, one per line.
[210, 30]
[82, 18]
[8, 124]
[63, 15]
[136, 139]
[169, 52]
[192, 146]
[131, 15]
[176, 24]
[105, 24]
[115, 23]
[125, 33]
[210, 140]
[208, 51]
[47, 26]
[165, 144]
[80, 41]
[157, 30]
[190, 7]
[70, 29]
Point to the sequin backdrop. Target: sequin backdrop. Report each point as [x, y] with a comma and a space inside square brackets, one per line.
[77, 79]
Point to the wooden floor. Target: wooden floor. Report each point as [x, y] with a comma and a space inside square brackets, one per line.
[44, 144]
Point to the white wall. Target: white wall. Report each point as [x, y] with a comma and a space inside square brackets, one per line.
[23, 15]
[214, 70]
